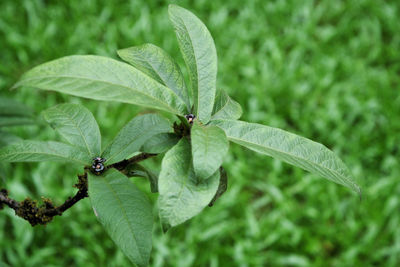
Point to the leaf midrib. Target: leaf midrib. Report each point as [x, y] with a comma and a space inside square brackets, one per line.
[213, 117]
[151, 68]
[106, 82]
[207, 141]
[196, 64]
[165, 80]
[221, 109]
[133, 140]
[43, 153]
[124, 214]
[79, 129]
[311, 163]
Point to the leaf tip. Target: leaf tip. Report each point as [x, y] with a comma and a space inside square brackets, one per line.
[174, 9]
[121, 52]
[172, 6]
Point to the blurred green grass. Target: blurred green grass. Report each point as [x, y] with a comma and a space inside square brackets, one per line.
[327, 70]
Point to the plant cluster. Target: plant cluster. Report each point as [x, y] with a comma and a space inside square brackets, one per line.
[195, 143]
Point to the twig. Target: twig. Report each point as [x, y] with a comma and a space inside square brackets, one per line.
[121, 165]
[30, 210]
[4, 199]
[35, 214]
[82, 193]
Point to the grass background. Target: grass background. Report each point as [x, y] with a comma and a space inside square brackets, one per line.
[327, 70]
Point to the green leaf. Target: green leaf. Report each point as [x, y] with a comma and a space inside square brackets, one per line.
[77, 125]
[223, 185]
[209, 148]
[160, 143]
[8, 121]
[11, 107]
[102, 78]
[200, 55]
[182, 194]
[35, 151]
[225, 107]
[133, 135]
[125, 213]
[291, 148]
[137, 170]
[156, 63]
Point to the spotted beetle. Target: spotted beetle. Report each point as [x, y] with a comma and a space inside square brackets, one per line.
[98, 166]
[190, 118]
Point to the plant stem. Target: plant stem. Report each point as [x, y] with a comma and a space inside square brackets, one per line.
[121, 165]
[42, 214]
[29, 209]
[4, 199]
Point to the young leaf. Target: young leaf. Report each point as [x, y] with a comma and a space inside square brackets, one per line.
[156, 63]
[102, 78]
[182, 194]
[137, 170]
[125, 213]
[209, 147]
[291, 148]
[160, 143]
[11, 107]
[6, 121]
[225, 107]
[35, 151]
[77, 125]
[200, 55]
[131, 138]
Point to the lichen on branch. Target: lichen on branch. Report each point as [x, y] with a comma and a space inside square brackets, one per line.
[36, 213]
[42, 213]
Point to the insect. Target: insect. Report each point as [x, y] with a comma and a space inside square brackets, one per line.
[98, 166]
[190, 118]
